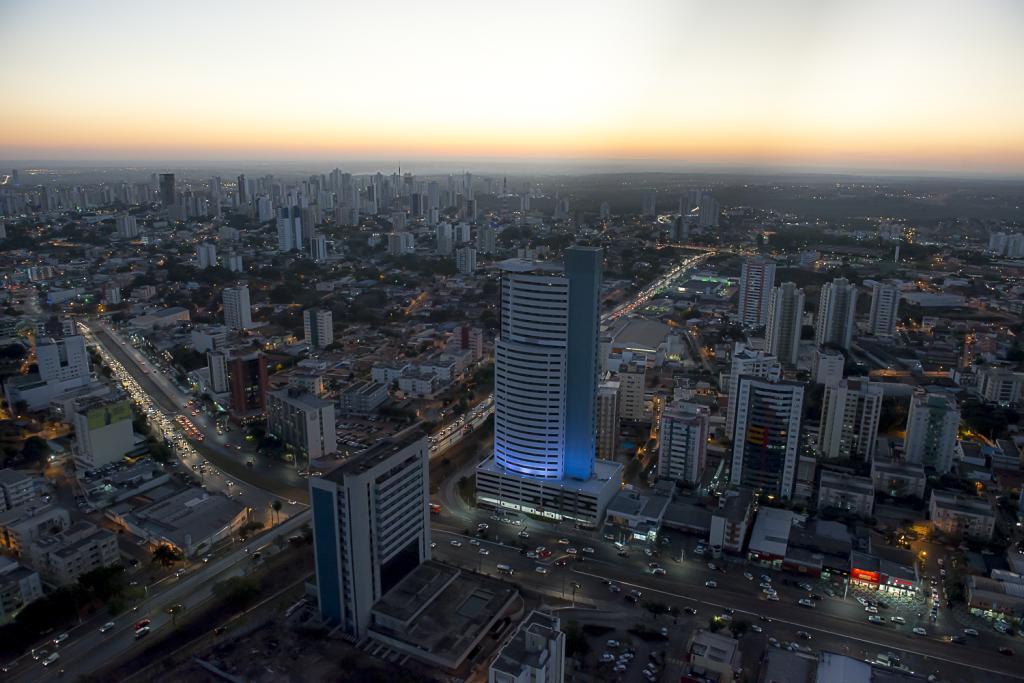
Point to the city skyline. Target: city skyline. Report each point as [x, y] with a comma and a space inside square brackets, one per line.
[847, 87]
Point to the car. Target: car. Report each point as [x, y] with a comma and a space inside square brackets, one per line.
[711, 584]
[531, 555]
[658, 571]
[9, 666]
[107, 627]
[455, 544]
[60, 639]
[474, 541]
[766, 586]
[142, 622]
[871, 609]
[482, 526]
[55, 656]
[814, 596]
[1003, 651]
[181, 572]
[611, 642]
[803, 634]
[765, 578]
[563, 541]
[806, 586]
[971, 632]
[959, 640]
[748, 576]
[875, 619]
[897, 620]
[805, 602]
[756, 628]
[690, 610]
[560, 563]
[614, 588]
[142, 633]
[541, 570]
[485, 551]
[619, 668]
[772, 596]
[40, 654]
[1001, 626]
[524, 534]
[571, 550]
[588, 550]
[920, 631]
[862, 601]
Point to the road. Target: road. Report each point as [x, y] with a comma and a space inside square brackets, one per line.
[87, 649]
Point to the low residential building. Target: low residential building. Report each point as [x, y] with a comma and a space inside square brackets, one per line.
[992, 597]
[898, 479]
[420, 384]
[1001, 386]
[362, 398]
[956, 514]
[846, 493]
[79, 549]
[19, 586]
[16, 489]
[535, 654]
[711, 657]
[632, 515]
[387, 373]
[23, 525]
[302, 421]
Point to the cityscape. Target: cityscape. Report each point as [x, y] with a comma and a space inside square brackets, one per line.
[589, 387]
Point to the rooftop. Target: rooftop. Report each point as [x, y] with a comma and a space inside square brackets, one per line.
[366, 460]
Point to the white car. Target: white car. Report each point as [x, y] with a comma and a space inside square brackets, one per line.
[658, 571]
[748, 576]
[541, 570]
[485, 551]
[920, 631]
[531, 555]
[805, 602]
[107, 627]
[455, 544]
[611, 642]
[571, 550]
[970, 632]
[607, 657]
[711, 584]
[524, 534]
[588, 550]
[474, 541]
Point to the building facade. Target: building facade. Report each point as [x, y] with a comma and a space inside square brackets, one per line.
[766, 434]
[850, 414]
[683, 442]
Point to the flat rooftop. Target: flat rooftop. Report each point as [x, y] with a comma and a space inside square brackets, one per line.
[604, 470]
[374, 455]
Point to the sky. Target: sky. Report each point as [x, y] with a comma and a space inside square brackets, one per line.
[899, 85]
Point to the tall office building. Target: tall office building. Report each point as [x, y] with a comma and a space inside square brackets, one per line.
[785, 317]
[127, 226]
[289, 228]
[746, 362]
[206, 255]
[168, 193]
[683, 442]
[302, 421]
[932, 426]
[318, 326]
[850, 413]
[709, 212]
[648, 204]
[836, 312]
[237, 309]
[766, 435]
[545, 389]
[756, 281]
[607, 420]
[243, 191]
[247, 381]
[885, 305]
[371, 528]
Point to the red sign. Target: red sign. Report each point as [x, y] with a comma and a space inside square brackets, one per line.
[862, 575]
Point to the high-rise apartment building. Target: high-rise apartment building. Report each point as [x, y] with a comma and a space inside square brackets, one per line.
[607, 420]
[168, 193]
[932, 426]
[318, 248]
[709, 213]
[683, 442]
[885, 304]
[766, 435]
[217, 365]
[648, 204]
[126, 226]
[247, 381]
[746, 362]
[237, 309]
[103, 431]
[401, 243]
[289, 228]
[206, 255]
[756, 282]
[465, 260]
[850, 414]
[545, 390]
[444, 236]
[371, 528]
[487, 240]
[318, 326]
[303, 422]
[64, 360]
[785, 318]
[837, 309]
[632, 385]
[535, 654]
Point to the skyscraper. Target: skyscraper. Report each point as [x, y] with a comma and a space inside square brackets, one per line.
[756, 281]
[371, 528]
[683, 442]
[168, 194]
[709, 212]
[648, 204]
[885, 304]
[289, 228]
[607, 420]
[836, 312]
[237, 309]
[443, 232]
[318, 248]
[766, 435]
[318, 326]
[746, 362]
[243, 196]
[545, 389]
[247, 381]
[932, 426]
[487, 240]
[785, 316]
[849, 420]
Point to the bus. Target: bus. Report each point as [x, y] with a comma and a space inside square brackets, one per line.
[505, 569]
[435, 509]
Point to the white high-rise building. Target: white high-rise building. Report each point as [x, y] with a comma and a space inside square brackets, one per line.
[683, 442]
[487, 240]
[932, 426]
[103, 431]
[206, 255]
[756, 282]
[632, 385]
[237, 309]
[766, 435]
[850, 413]
[443, 233]
[463, 233]
[289, 228]
[535, 654]
[63, 360]
[785, 317]
[371, 528]
[303, 422]
[233, 262]
[217, 364]
[885, 304]
[827, 367]
[465, 260]
[836, 313]
[318, 327]
[318, 248]
[747, 362]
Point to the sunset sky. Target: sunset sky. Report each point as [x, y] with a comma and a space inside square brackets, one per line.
[888, 84]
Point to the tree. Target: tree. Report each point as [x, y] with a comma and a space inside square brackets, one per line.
[34, 448]
[167, 555]
[276, 505]
[238, 592]
[576, 644]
